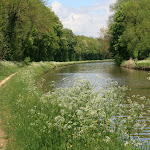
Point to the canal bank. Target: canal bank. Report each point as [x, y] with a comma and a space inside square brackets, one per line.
[36, 120]
[138, 65]
[21, 89]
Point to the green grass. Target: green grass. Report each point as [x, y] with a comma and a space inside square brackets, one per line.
[66, 118]
[135, 64]
[143, 62]
[7, 68]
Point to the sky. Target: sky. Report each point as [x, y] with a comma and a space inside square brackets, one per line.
[83, 17]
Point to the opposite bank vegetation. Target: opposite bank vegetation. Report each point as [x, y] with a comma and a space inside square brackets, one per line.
[138, 65]
[78, 117]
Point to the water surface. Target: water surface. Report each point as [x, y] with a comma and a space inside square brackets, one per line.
[134, 79]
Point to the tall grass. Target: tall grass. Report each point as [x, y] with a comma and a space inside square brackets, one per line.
[77, 117]
[7, 68]
[144, 62]
[135, 64]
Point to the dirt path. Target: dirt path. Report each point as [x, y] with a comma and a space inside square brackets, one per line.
[6, 79]
[3, 137]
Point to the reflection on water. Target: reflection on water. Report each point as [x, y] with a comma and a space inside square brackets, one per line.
[134, 79]
[98, 73]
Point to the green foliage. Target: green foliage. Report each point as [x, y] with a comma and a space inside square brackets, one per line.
[26, 61]
[130, 30]
[118, 60]
[104, 40]
[30, 29]
[88, 48]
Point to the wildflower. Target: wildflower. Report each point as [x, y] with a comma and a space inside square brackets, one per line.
[126, 143]
[112, 131]
[108, 129]
[72, 134]
[95, 121]
[85, 145]
[119, 125]
[107, 140]
[70, 146]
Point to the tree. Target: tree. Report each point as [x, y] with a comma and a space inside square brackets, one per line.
[130, 30]
[137, 30]
[104, 40]
[117, 48]
[23, 16]
[71, 43]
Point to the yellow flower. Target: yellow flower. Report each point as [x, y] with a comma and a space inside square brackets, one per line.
[108, 129]
[72, 134]
[112, 131]
[85, 145]
[119, 125]
[70, 146]
[88, 131]
[95, 121]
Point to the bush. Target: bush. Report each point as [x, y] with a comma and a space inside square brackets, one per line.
[118, 60]
[26, 61]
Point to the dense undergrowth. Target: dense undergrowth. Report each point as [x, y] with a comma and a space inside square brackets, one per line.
[76, 117]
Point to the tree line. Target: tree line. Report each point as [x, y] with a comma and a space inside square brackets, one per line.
[28, 28]
[129, 30]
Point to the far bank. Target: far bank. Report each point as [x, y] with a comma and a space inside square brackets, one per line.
[138, 65]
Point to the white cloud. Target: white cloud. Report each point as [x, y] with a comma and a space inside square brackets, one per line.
[84, 20]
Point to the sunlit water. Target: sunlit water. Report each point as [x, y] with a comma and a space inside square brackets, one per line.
[100, 74]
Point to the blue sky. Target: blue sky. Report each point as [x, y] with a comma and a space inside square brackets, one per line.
[83, 17]
[77, 3]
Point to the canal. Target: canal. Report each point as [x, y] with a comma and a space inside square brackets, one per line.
[100, 74]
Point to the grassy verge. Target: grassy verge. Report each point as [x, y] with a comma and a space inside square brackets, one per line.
[7, 68]
[140, 65]
[66, 118]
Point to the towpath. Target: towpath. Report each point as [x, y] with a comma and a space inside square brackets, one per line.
[3, 136]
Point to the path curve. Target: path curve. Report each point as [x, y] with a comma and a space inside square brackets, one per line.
[6, 79]
[3, 137]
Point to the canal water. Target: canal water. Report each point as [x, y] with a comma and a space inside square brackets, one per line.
[100, 74]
